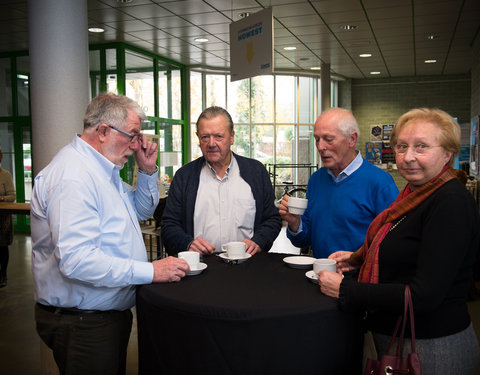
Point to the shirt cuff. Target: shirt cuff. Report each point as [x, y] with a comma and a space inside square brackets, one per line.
[142, 273]
[299, 230]
[148, 174]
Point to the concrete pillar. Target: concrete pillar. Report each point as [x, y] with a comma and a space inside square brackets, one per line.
[325, 86]
[59, 74]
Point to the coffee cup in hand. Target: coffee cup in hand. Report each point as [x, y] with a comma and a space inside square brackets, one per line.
[191, 257]
[296, 205]
[324, 264]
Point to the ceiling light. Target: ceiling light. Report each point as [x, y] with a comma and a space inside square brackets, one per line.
[96, 30]
[244, 14]
[348, 27]
[365, 55]
[201, 40]
[374, 73]
[431, 61]
[290, 48]
[304, 58]
[432, 37]
[315, 68]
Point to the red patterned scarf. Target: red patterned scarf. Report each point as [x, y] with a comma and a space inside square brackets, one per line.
[407, 200]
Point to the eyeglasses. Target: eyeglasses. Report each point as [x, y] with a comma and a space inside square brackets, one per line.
[419, 149]
[133, 137]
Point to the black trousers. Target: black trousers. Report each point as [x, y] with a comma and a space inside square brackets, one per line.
[86, 343]
[4, 255]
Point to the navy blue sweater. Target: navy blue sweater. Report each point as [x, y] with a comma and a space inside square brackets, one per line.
[177, 219]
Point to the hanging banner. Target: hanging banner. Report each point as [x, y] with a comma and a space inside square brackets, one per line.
[251, 46]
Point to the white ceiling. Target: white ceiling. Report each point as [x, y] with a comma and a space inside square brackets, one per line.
[393, 31]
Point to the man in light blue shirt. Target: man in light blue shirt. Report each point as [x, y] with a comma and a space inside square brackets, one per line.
[88, 251]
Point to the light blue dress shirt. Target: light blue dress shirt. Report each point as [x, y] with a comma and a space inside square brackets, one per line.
[88, 250]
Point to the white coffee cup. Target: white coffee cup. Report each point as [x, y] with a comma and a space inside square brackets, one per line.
[191, 257]
[234, 249]
[296, 205]
[324, 264]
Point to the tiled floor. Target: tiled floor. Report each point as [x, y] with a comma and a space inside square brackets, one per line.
[19, 342]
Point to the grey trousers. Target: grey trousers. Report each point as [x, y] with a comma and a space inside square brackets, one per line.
[455, 354]
[86, 344]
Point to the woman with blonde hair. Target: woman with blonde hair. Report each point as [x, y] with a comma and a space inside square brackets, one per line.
[428, 238]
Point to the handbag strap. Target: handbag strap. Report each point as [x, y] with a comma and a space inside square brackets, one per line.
[407, 312]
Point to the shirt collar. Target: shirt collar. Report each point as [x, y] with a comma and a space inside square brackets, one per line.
[233, 162]
[352, 167]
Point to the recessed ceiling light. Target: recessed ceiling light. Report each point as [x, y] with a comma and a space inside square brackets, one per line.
[348, 27]
[96, 30]
[304, 58]
[315, 68]
[290, 48]
[201, 40]
[431, 61]
[432, 37]
[244, 14]
[374, 73]
[365, 55]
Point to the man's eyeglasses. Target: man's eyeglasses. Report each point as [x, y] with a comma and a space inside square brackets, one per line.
[418, 149]
[133, 137]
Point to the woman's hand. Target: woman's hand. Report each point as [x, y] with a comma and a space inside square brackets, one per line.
[343, 261]
[330, 283]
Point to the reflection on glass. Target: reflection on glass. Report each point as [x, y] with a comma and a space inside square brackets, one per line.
[112, 83]
[241, 145]
[139, 81]
[306, 152]
[6, 88]
[215, 90]
[285, 103]
[262, 99]
[306, 98]
[238, 101]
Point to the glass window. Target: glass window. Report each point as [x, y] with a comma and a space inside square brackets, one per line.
[6, 90]
[215, 90]
[196, 151]
[262, 138]
[262, 99]
[285, 104]
[27, 163]
[23, 74]
[241, 145]
[238, 101]
[169, 92]
[139, 81]
[176, 95]
[170, 138]
[306, 99]
[6, 145]
[111, 67]
[307, 152]
[195, 96]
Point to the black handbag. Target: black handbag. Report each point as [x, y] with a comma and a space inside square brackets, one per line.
[396, 364]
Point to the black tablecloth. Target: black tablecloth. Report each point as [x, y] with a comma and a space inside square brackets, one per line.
[257, 317]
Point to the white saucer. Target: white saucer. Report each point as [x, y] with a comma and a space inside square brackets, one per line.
[300, 261]
[311, 276]
[226, 258]
[196, 271]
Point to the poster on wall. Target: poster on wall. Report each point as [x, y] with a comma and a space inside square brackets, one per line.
[386, 131]
[376, 133]
[373, 152]
[474, 146]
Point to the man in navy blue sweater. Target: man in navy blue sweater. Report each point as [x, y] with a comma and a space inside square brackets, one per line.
[344, 196]
[220, 197]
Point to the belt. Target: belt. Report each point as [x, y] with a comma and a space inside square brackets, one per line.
[70, 310]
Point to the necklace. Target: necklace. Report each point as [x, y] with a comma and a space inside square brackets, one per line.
[398, 222]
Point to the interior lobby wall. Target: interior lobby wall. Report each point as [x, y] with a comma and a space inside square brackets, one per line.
[382, 101]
